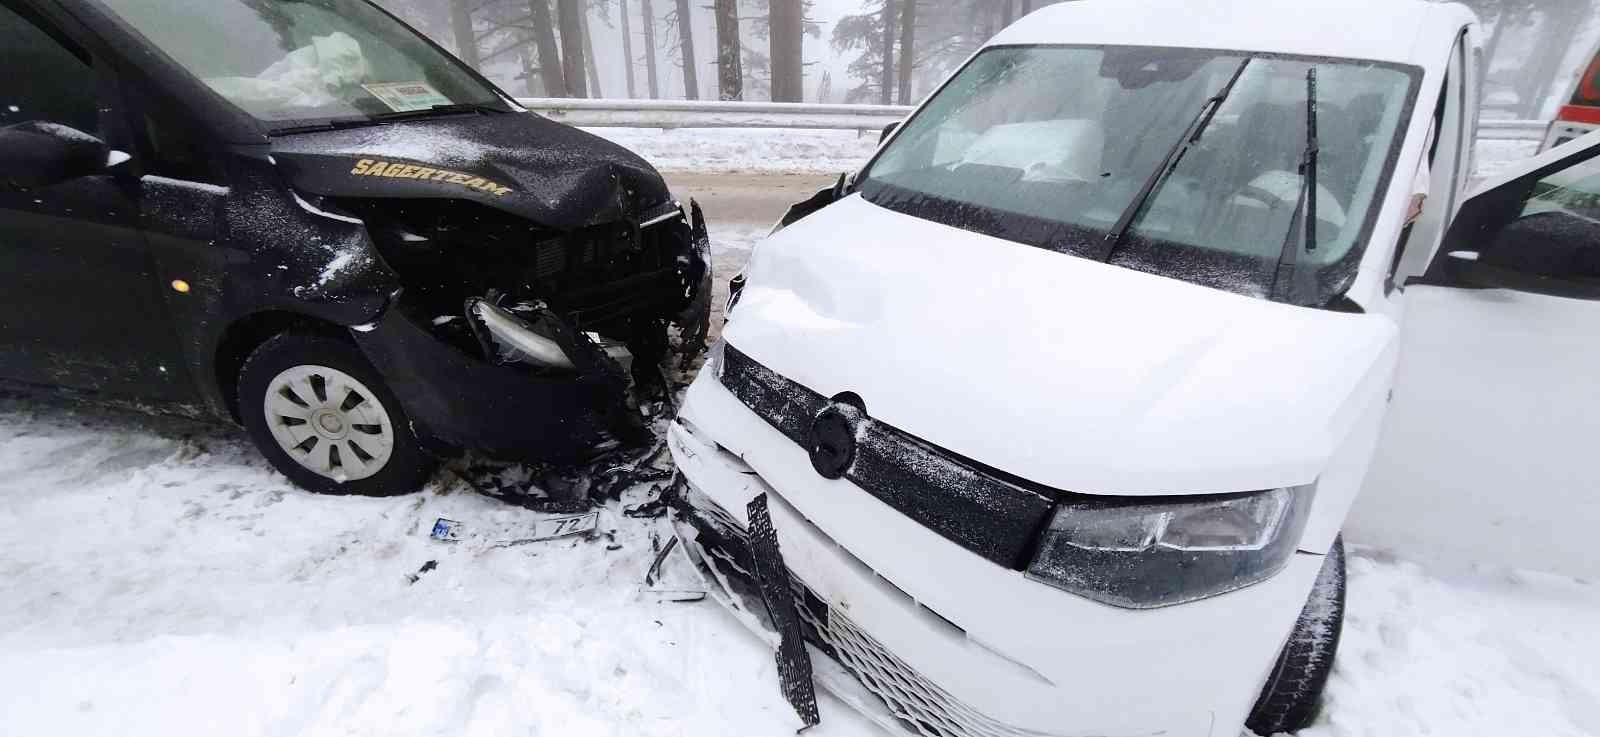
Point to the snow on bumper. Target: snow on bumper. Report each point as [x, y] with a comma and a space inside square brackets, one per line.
[951, 643]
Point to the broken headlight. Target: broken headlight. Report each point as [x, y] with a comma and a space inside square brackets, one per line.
[515, 340]
[1148, 554]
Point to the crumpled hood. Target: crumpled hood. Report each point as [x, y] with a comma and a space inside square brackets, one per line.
[1066, 372]
[553, 174]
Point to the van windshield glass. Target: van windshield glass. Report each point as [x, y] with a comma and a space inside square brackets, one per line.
[1049, 146]
[300, 62]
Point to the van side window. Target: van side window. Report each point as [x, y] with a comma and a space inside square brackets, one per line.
[58, 84]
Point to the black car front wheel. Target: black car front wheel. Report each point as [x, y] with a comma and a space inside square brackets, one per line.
[1293, 692]
[323, 416]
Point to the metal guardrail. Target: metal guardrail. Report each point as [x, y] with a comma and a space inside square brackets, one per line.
[712, 114]
[1512, 130]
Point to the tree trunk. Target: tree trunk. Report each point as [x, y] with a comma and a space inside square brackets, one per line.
[524, 57]
[1027, 6]
[466, 38]
[1558, 31]
[570, 16]
[544, 41]
[886, 76]
[784, 34]
[1005, 13]
[908, 31]
[650, 48]
[691, 75]
[627, 48]
[1501, 20]
[730, 68]
[588, 58]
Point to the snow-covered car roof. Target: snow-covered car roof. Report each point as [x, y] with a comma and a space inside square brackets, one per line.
[1402, 31]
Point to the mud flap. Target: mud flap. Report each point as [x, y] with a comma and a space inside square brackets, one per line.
[772, 577]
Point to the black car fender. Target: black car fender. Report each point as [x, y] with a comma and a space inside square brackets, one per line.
[254, 257]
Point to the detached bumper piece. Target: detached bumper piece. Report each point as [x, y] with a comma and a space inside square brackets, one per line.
[772, 577]
[891, 692]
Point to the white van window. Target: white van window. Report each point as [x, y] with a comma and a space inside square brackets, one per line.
[1051, 146]
[304, 60]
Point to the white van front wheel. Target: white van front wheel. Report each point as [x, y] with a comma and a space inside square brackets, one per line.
[1293, 692]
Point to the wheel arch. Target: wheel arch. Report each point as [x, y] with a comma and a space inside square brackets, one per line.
[245, 334]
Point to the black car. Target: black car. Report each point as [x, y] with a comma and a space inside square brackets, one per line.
[303, 216]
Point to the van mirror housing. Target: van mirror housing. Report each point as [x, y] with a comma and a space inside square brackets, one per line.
[1551, 253]
[39, 154]
[888, 130]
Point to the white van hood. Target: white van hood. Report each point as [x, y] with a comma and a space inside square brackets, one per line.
[1063, 371]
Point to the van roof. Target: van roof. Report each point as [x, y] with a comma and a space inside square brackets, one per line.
[1402, 31]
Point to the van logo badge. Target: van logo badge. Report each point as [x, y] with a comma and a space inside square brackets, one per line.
[832, 439]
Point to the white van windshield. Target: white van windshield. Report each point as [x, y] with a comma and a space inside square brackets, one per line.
[305, 61]
[1051, 146]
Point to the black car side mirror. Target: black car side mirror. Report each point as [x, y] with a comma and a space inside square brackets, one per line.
[889, 130]
[39, 154]
[1554, 253]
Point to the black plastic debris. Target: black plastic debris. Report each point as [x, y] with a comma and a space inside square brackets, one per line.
[412, 578]
[772, 576]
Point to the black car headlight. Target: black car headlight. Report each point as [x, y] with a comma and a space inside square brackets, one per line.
[1147, 553]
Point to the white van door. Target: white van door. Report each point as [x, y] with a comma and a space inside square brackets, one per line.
[1491, 451]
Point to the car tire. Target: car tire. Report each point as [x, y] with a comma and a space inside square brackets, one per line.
[1293, 692]
[323, 416]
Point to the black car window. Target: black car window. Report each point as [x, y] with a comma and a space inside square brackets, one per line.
[58, 86]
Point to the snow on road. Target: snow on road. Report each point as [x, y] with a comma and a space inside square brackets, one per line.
[161, 580]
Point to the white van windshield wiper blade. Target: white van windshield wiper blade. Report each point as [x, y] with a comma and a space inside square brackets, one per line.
[1289, 256]
[1157, 178]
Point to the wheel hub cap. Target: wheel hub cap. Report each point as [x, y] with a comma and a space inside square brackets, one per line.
[329, 422]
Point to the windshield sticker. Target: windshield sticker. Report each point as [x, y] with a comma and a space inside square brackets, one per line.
[403, 97]
[396, 170]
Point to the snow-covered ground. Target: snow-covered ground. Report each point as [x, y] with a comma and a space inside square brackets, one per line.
[746, 149]
[160, 579]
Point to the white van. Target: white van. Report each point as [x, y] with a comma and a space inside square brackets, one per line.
[1047, 421]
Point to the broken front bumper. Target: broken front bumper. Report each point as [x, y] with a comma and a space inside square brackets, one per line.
[927, 638]
[468, 402]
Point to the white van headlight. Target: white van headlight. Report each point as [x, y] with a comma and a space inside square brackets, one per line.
[1145, 554]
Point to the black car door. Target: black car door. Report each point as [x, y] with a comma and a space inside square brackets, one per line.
[79, 305]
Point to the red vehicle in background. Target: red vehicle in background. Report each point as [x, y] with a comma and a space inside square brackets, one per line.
[1581, 114]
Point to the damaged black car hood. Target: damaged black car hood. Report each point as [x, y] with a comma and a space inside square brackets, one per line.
[552, 174]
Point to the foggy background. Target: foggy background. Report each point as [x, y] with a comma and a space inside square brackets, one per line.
[835, 50]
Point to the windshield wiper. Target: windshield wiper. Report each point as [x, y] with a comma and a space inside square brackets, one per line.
[1289, 256]
[1157, 178]
[454, 108]
[331, 125]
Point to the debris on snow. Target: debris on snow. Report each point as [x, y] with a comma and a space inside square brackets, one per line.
[412, 578]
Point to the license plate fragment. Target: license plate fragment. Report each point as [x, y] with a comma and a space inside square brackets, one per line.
[550, 528]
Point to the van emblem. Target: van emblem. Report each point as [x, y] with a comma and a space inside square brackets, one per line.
[832, 439]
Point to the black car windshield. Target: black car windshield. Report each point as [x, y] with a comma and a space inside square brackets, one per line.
[1049, 146]
[299, 62]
